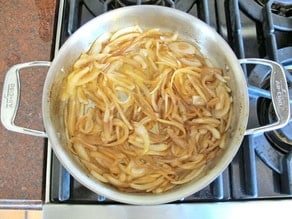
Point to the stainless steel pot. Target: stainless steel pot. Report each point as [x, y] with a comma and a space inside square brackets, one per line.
[190, 28]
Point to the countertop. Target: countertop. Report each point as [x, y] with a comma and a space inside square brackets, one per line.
[27, 33]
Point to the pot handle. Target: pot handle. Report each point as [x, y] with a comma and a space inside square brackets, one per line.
[279, 95]
[11, 97]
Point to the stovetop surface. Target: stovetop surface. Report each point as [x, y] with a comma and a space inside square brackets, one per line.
[262, 168]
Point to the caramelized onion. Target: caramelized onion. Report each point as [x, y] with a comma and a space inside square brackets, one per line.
[145, 111]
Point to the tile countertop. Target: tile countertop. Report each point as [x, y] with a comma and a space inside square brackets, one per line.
[26, 35]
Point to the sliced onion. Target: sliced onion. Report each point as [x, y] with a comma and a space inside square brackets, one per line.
[131, 29]
[143, 133]
[195, 173]
[81, 151]
[183, 48]
[147, 186]
[198, 101]
[97, 45]
[191, 62]
[98, 176]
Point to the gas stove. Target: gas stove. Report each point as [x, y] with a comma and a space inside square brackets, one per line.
[261, 173]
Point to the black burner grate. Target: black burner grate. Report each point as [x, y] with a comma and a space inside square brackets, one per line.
[265, 145]
[280, 13]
